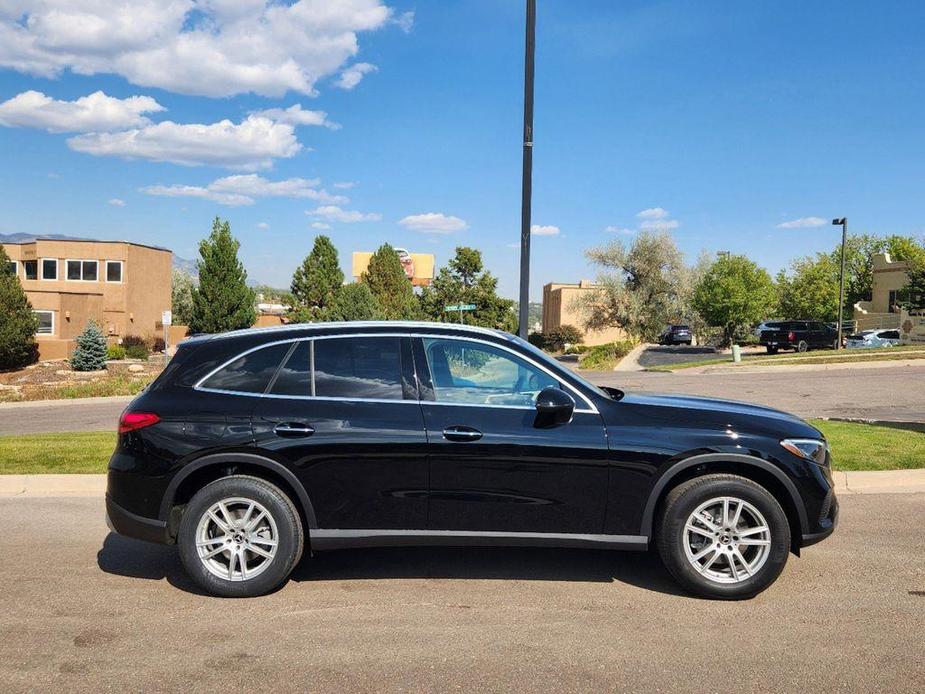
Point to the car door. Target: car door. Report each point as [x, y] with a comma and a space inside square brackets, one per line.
[493, 467]
[343, 414]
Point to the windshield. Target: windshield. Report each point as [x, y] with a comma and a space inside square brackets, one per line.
[546, 359]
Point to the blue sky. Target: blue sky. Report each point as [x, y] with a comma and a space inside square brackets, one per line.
[719, 122]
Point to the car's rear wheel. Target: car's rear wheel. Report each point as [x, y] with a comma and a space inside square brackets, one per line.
[723, 536]
[802, 346]
[240, 536]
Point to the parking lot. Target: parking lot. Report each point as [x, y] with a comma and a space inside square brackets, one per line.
[83, 609]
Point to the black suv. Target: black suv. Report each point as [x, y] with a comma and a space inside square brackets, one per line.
[676, 335]
[800, 335]
[254, 445]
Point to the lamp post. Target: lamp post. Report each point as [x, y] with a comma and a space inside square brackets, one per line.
[527, 184]
[843, 221]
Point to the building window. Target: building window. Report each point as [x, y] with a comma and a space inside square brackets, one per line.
[11, 268]
[30, 269]
[113, 270]
[82, 270]
[49, 268]
[46, 322]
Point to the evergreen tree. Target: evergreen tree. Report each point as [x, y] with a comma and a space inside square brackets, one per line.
[389, 284]
[316, 281]
[90, 354]
[223, 301]
[353, 302]
[17, 321]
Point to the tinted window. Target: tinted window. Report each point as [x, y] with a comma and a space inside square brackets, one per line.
[89, 270]
[49, 269]
[30, 269]
[478, 374]
[250, 373]
[113, 272]
[295, 377]
[11, 267]
[358, 367]
[890, 335]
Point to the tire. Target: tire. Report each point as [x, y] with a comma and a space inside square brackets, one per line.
[722, 580]
[802, 346]
[772, 350]
[244, 498]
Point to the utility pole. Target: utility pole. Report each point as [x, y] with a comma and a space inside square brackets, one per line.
[841, 277]
[527, 185]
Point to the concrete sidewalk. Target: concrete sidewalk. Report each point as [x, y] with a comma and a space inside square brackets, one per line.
[33, 486]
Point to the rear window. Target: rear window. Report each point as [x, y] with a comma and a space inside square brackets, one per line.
[681, 327]
[360, 367]
[250, 373]
[773, 326]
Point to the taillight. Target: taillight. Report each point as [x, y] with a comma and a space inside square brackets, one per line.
[130, 421]
[791, 336]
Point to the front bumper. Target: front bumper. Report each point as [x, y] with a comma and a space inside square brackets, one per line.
[827, 525]
[127, 523]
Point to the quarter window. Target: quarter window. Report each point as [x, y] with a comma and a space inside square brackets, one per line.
[361, 367]
[46, 322]
[30, 269]
[82, 270]
[113, 270]
[49, 269]
[250, 373]
[295, 378]
[475, 374]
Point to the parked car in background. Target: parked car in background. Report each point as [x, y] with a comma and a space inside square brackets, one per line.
[799, 335]
[676, 335]
[867, 339]
[256, 445]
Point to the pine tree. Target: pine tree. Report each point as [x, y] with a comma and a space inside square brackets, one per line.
[316, 281]
[353, 302]
[90, 354]
[389, 284]
[223, 301]
[17, 321]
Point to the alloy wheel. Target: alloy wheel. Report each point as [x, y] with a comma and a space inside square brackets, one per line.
[727, 540]
[237, 539]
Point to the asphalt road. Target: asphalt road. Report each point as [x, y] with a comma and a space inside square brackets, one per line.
[84, 610]
[891, 393]
[666, 355]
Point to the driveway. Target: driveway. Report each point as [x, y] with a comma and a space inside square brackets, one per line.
[85, 610]
[668, 355]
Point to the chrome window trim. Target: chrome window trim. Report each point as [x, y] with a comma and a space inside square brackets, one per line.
[591, 409]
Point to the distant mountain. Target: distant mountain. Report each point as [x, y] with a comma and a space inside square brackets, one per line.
[187, 266]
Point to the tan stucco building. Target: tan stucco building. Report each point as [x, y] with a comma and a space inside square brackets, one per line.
[123, 286]
[561, 307]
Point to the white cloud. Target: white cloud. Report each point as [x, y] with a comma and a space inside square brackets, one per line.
[94, 112]
[320, 225]
[659, 224]
[803, 222]
[296, 115]
[116, 202]
[263, 225]
[244, 188]
[619, 230]
[333, 213]
[212, 48]
[541, 230]
[251, 144]
[405, 21]
[351, 77]
[513, 245]
[433, 223]
[345, 185]
[653, 213]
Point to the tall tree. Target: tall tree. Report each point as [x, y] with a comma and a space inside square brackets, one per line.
[353, 302]
[734, 294]
[809, 291]
[181, 297]
[222, 301]
[316, 281]
[859, 252]
[17, 321]
[465, 280]
[642, 287]
[389, 284]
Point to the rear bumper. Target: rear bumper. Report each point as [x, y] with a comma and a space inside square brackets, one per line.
[131, 525]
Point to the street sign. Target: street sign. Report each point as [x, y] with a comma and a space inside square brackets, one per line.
[459, 307]
[166, 317]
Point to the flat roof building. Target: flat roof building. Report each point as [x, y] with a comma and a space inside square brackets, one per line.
[561, 307]
[124, 287]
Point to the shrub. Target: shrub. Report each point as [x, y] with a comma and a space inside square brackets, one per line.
[577, 349]
[607, 356]
[90, 354]
[563, 335]
[136, 347]
[158, 345]
[537, 340]
[115, 352]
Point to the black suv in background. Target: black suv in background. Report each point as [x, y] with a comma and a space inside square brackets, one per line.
[676, 335]
[800, 335]
[252, 446]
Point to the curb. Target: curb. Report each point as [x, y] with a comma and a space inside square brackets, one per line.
[65, 402]
[41, 486]
[775, 368]
[631, 361]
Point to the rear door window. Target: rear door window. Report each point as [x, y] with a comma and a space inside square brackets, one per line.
[358, 367]
[295, 376]
[249, 373]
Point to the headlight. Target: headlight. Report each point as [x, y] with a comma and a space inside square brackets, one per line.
[811, 449]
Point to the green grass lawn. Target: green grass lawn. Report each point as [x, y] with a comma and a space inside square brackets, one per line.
[789, 358]
[854, 447]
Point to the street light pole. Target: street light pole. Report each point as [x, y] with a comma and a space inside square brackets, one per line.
[527, 184]
[841, 277]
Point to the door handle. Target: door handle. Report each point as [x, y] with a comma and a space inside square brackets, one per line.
[458, 433]
[293, 429]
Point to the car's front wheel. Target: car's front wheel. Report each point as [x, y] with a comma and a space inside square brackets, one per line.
[240, 536]
[723, 536]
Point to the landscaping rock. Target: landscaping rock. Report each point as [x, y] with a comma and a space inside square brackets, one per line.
[136, 368]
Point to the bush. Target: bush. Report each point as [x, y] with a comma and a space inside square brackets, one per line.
[577, 349]
[537, 340]
[17, 322]
[158, 344]
[136, 347]
[90, 354]
[603, 357]
[563, 335]
[115, 352]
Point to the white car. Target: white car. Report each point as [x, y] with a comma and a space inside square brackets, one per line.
[873, 338]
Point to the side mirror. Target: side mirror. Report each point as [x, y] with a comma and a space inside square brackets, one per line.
[553, 407]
